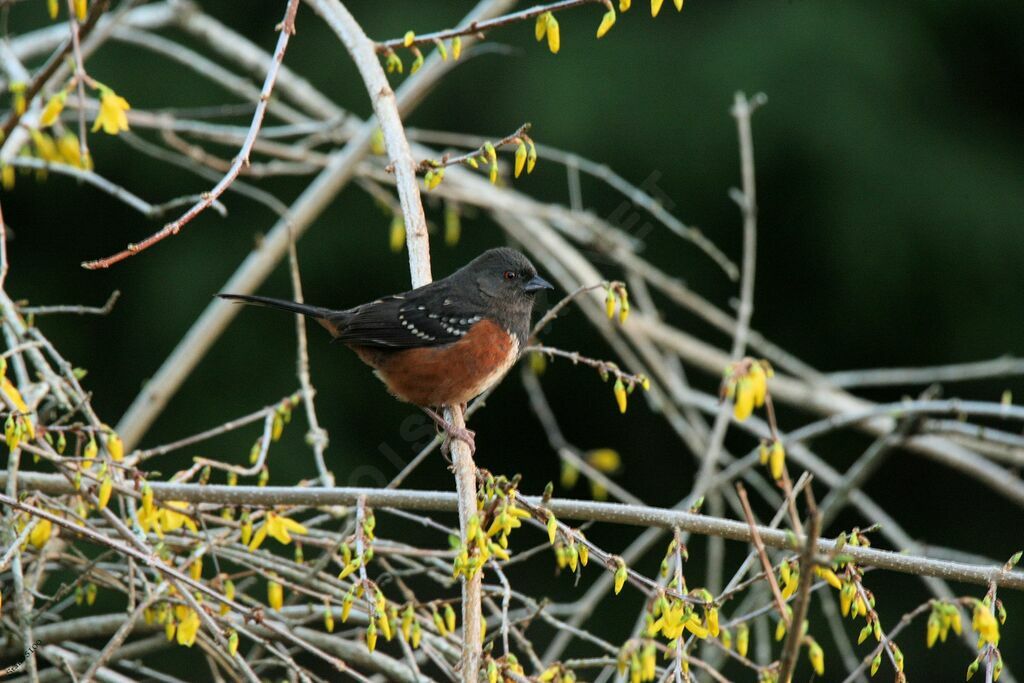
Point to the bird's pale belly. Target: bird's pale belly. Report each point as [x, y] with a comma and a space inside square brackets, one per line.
[446, 375]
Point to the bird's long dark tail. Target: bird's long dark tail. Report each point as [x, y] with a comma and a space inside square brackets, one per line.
[283, 304]
[331, 320]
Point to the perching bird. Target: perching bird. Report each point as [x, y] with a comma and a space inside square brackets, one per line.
[444, 343]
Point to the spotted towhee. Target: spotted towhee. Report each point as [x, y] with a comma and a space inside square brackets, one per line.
[443, 343]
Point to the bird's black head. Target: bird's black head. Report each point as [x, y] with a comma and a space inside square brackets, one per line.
[508, 275]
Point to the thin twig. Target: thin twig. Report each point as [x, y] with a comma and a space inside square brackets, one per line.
[286, 29]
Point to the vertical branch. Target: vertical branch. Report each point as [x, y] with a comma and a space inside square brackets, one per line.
[791, 648]
[80, 76]
[742, 110]
[382, 97]
[317, 434]
[363, 53]
[746, 198]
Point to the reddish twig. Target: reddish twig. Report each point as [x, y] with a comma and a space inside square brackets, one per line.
[287, 29]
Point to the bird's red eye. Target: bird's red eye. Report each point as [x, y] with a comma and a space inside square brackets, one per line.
[510, 275]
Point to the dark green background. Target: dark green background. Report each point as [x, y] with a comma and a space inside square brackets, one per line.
[891, 187]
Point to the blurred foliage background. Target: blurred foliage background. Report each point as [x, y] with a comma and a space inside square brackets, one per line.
[891, 187]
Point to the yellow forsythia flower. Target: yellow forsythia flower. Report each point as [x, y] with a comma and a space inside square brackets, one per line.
[52, 110]
[172, 520]
[233, 643]
[188, 628]
[456, 47]
[655, 7]
[678, 4]
[984, 622]
[410, 38]
[81, 9]
[111, 117]
[52, 7]
[624, 5]
[277, 527]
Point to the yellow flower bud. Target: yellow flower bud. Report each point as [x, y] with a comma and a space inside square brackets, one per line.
[233, 643]
[275, 594]
[417, 62]
[620, 577]
[624, 5]
[115, 447]
[52, 7]
[520, 158]
[817, 658]
[449, 618]
[606, 23]
[531, 156]
[54, 106]
[385, 626]
[371, 636]
[744, 405]
[40, 533]
[410, 38]
[777, 460]
[678, 4]
[106, 488]
[554, 37]
[456, 47]
[742, 639]
[89, 453]
[620, 395]
[540, 27]
[396, 239]
[655, 7]
[606, 460]
[346, 607]
[452, 225]
[417, 634]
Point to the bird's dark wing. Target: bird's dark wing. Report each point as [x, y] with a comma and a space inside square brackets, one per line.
[421, 317]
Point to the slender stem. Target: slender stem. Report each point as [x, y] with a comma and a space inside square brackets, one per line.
[287, 29]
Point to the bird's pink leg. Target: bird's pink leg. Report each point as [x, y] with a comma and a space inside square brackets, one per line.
[460, 433]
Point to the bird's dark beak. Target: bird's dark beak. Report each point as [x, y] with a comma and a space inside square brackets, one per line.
[537, 283]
